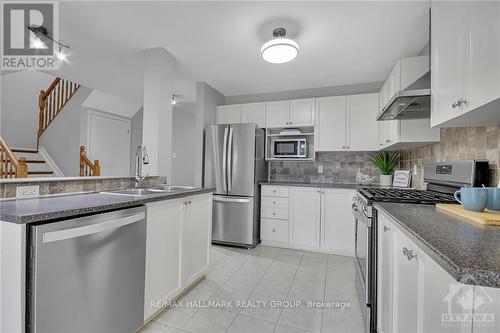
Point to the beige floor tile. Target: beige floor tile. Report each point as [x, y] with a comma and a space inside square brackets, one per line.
[154, 327]
[281, 272]
[210, 321]
[229, 299]
[265, 307]
[273, 288]
[335, 322]
[304, 318]
[288, 329]
[245, 324]
[176, 317]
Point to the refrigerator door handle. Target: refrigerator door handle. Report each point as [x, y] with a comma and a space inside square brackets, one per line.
[230, 161]
[240, 200]
[224, 161]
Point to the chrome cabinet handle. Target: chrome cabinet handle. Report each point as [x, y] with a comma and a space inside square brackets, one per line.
[454, 104]
[386, 228]
[461, 101]
[409, 254]
[274, 214]
[274, 202]
[387, 141]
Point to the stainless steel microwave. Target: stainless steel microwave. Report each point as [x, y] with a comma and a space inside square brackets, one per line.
[287, 148]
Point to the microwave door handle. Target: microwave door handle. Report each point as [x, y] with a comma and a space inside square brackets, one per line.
[230, 161]
[224, 161]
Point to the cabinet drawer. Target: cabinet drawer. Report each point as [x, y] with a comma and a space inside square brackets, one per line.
[275, 213]
[275, 191]
[274, 230]
[271, 202]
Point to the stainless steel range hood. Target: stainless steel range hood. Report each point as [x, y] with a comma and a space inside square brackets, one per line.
[414, 102]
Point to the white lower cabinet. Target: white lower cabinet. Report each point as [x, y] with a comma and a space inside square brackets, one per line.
[337, 222]
[414, 293]
[196, 238]
[304, 217]
[308, 218]
[177, 247]
[486, 314]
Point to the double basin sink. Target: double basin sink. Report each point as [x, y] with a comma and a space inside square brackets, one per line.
[141, 192]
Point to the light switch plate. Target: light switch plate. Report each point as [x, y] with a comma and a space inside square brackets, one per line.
[320, 169]
[415, 170]
[23, 192]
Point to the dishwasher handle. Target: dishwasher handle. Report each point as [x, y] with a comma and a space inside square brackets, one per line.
[55, 236]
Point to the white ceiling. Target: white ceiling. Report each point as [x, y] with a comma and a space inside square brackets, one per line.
[219, 42]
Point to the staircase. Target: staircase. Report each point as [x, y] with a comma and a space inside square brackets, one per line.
[23, 163]
[37, 165]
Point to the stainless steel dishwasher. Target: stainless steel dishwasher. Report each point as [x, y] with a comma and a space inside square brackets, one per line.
[87, 274]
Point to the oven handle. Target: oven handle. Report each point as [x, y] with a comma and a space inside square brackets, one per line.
[360, 216]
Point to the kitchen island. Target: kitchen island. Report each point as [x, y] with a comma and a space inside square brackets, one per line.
[177, 241]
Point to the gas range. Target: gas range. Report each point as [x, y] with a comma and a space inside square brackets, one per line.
[370, 194]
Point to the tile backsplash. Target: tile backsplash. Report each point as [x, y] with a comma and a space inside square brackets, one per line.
[464, 143]
[338, 167]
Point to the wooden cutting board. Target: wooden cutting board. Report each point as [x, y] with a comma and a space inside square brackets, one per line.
[488, 217]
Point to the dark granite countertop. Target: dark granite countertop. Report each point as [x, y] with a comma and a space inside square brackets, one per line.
[468, 251]
[66, 206]
[317, 184]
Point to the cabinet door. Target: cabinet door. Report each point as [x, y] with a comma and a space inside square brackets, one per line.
[385, 271]
[304, 217]
[229, 114]
[163, 252]
[254, 113]
[482, 77]
[394, 81]
[362, 125]
[302, 112]
[448, 52]
[197, 232]
[441, 295]
[490, 306]
[330, 129]
[406, 287]
[337, 225]
[277, 114]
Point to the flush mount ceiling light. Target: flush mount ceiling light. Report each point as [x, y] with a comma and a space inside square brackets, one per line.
[279, 50]
[175, 99]
[41, 35]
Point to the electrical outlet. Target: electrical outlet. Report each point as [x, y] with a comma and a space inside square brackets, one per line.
[23, 192]
[415, 170]
[320, 169]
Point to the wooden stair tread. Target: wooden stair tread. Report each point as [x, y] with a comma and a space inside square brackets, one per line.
[24, 150]
[40, 172]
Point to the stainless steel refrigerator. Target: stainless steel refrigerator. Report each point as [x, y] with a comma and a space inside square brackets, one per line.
[234, 166]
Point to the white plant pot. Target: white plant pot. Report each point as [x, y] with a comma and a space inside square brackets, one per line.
[386, 180]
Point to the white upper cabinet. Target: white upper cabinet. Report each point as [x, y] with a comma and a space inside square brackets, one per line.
[301, 112]
[229, 114]
[362, 126]
[254, 113]
[277, 114]
[330, 129]
[465, 53]
[304, 217]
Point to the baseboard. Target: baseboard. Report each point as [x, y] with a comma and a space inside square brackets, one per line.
[48, 159]
[310, 249]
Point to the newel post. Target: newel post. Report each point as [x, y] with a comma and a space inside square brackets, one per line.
[22, 168]
[82, 163]
[41, 114]
[97, 168]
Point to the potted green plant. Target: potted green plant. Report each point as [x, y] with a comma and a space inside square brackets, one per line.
[386, 162]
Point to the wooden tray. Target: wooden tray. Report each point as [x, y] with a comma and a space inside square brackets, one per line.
[487, 217]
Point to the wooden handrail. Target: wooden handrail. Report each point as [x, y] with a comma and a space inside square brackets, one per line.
[10, 167]
[87, 167]
[52, 101]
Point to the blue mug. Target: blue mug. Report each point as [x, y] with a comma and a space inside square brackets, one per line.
[493, 198]
[472, 198]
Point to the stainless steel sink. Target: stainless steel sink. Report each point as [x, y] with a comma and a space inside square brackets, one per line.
[170, 188]
[135, 192]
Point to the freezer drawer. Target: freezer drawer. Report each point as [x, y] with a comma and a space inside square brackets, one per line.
[87, 274]
[233, 220]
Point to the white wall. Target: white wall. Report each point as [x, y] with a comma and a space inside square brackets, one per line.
[159, 74]
[19, 104]
[207, 99]
[99, 100]
[183, 144]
